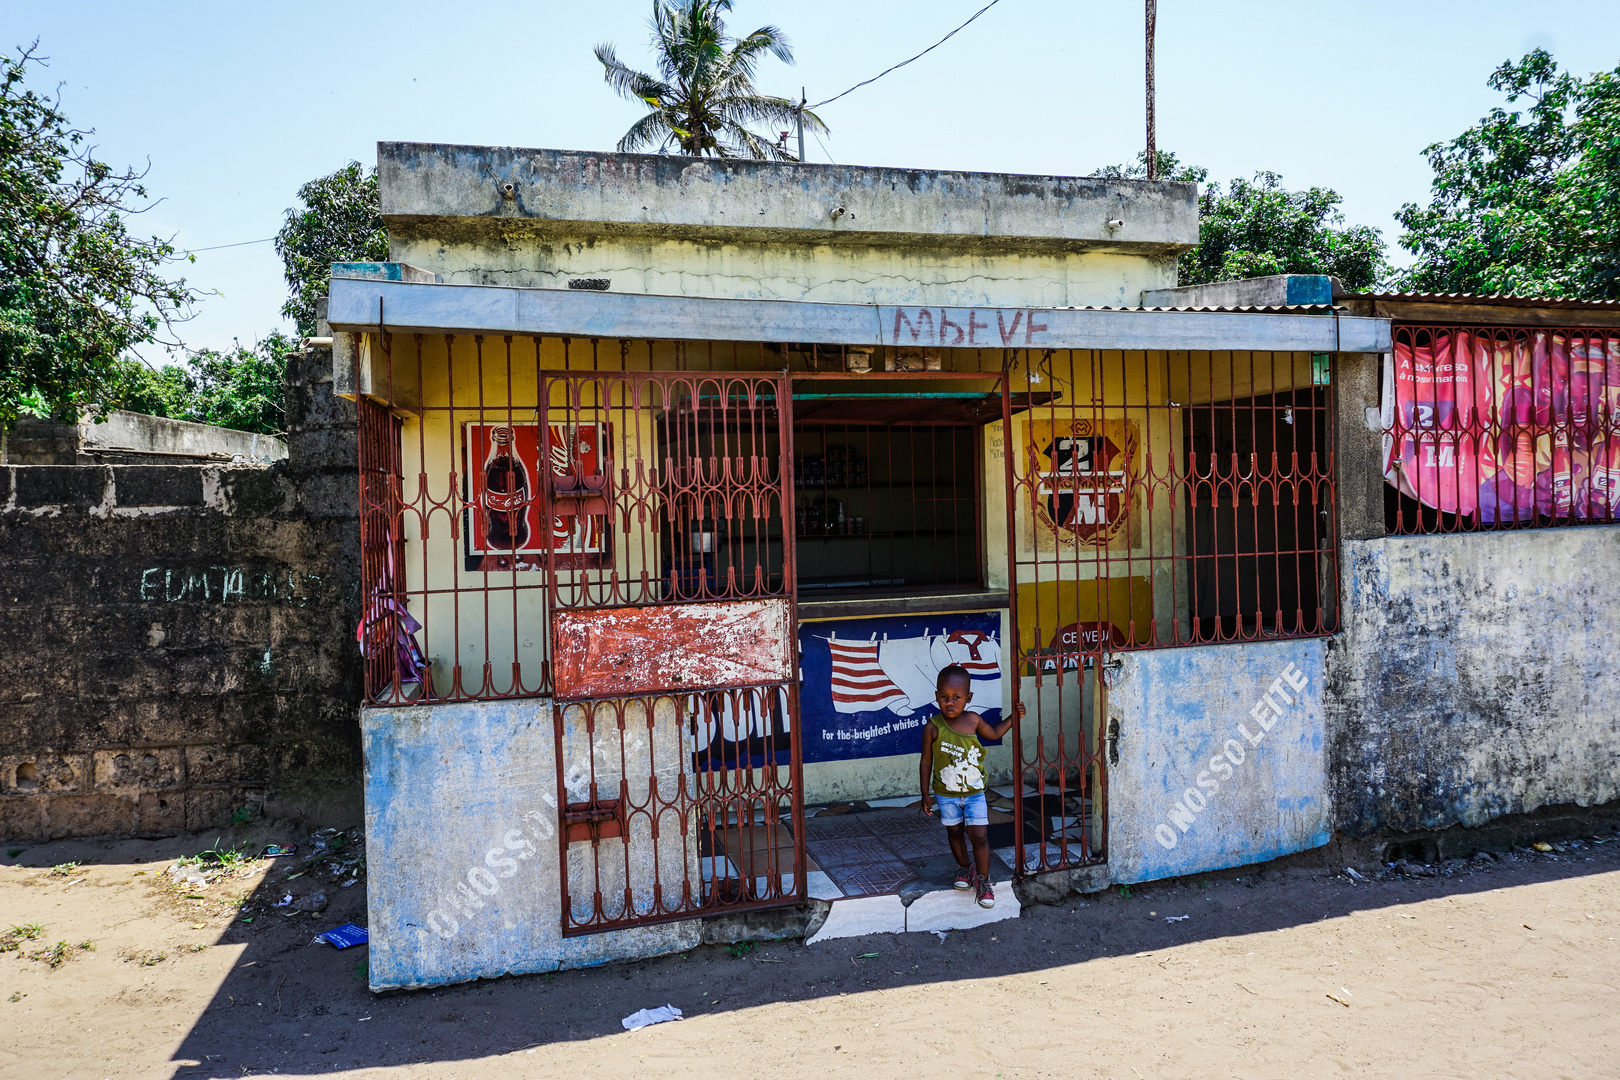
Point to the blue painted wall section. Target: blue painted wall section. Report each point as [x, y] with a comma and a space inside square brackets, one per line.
[1221, 758]
[461, 834]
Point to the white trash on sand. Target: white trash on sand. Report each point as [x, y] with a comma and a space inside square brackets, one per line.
[647, 1017]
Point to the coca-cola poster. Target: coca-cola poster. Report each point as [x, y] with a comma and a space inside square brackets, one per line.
[1505, 425]
[517, 514]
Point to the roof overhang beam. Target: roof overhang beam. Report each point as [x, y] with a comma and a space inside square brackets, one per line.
[358, 305]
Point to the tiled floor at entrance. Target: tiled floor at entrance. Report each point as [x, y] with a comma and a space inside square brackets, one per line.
[881, 847]
[888, 846]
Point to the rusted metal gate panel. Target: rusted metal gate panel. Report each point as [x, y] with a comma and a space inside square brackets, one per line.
[672, 604]
[606, 652]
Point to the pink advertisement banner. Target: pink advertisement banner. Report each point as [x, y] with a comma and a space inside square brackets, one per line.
[1504, 425]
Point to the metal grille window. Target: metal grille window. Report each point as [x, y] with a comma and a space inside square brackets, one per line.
[1500, 428]
[886, 507]
[1156, 500]
[536, 510]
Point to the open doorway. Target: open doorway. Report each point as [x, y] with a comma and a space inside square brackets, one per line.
[1258, 513]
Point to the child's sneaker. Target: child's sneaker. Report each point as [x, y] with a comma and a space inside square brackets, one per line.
[987, 894]
[965, 878]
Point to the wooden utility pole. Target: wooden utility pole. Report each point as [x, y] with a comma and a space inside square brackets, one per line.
[1152, 138]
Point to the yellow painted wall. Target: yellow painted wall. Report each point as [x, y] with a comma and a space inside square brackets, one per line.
[1058, 583]
[897, 274]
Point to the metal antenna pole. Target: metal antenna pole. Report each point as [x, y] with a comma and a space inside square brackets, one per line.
[803, 98]
[1152, 139]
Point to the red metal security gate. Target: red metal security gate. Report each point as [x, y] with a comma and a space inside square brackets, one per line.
[1060, 776]
[1153, 500]
[673, 640]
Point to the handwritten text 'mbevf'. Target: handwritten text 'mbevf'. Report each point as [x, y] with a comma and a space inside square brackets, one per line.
[966, 327]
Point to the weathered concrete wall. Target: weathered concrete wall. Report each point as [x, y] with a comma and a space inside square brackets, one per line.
[1475, 678]
[461, 841]
[1222, 758]
[135, 439]
[751, 229]
[177, 642]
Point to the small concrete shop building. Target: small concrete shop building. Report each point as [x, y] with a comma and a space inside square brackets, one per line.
[682, 479]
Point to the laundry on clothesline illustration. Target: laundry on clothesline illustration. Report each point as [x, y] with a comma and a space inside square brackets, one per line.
[901, 674]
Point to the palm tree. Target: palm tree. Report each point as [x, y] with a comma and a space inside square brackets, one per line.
[703, 98]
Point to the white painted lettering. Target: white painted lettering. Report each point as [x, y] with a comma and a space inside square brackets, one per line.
[1234, 745]
[483, 881]
[1194, 799]
[1181, 817]
[496, 860]
[467, 902]
[1221, 767]
[433, 922]
[1254, 740]
[1206, 781]
[1166, 835]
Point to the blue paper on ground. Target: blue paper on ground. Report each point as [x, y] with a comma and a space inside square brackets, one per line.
[344, 936]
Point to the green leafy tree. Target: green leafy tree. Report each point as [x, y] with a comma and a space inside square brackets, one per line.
[703, 100]
[77, 291]
[339, 219]
[239, 387]
[1258, 228]
[1525, 202]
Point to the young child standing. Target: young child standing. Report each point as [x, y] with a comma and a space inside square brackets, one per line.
[952, 774]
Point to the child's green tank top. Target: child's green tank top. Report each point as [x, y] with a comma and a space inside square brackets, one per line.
[958, 761]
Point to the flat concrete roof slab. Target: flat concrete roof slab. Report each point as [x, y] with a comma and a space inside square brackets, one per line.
[463, 193]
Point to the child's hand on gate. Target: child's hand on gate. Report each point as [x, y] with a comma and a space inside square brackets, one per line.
[1020, 710]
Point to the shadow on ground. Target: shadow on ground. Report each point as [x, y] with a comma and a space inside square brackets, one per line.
[292, 1005]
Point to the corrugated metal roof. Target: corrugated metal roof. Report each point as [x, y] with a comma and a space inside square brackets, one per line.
[1489, 298]
[1276, 309]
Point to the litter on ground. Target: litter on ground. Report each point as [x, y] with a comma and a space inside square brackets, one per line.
[647, 1017]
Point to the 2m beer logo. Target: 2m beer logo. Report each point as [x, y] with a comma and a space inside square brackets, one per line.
[967, 328]
[1085, 475]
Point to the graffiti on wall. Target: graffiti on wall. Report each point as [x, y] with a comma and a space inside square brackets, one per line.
[966, 328]
[230, 585]
[507, 852]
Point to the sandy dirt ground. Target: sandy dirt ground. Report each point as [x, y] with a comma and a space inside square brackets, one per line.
[1505, 968]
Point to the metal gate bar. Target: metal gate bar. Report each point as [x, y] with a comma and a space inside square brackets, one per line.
[683, 798]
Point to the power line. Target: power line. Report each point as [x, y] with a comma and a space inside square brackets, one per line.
[903, 63]
[219, 247]
[821, 144]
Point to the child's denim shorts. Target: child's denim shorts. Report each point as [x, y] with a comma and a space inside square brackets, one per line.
[954, 808]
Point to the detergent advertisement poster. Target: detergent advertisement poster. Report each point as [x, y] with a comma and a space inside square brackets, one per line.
[869, 683]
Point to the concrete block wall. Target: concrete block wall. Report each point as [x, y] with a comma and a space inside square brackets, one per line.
[1474, 678]
[177, 641]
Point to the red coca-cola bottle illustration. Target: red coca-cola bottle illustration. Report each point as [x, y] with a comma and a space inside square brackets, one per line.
[506, 494]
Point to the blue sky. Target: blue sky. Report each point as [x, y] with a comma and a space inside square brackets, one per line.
[235, 105]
